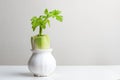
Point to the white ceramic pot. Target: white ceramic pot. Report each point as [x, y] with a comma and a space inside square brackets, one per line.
[42, 63]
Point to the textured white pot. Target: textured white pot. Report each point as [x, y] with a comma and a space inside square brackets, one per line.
[42, 63]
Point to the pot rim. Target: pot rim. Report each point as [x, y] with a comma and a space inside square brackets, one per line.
[41, 50]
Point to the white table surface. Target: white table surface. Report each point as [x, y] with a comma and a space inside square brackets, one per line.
[63, 73]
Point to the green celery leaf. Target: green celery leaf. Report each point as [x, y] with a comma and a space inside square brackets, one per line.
[59, 18]
[56, 12]
[34, 18]
[42, 17]
[43, 26]
[34, 22]
[46, 11]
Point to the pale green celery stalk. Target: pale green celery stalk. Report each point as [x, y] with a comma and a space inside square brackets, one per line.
[42, 42]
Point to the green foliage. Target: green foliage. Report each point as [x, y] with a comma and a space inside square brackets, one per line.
[43, 20]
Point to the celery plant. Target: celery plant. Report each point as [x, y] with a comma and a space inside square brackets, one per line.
[42, 41]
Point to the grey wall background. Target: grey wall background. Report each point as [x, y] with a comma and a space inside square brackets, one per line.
[89, 35]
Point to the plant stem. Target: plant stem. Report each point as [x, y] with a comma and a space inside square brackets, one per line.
[40, 28]
[40, 31]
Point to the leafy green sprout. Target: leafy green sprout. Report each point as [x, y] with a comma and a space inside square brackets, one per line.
[43, 20]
